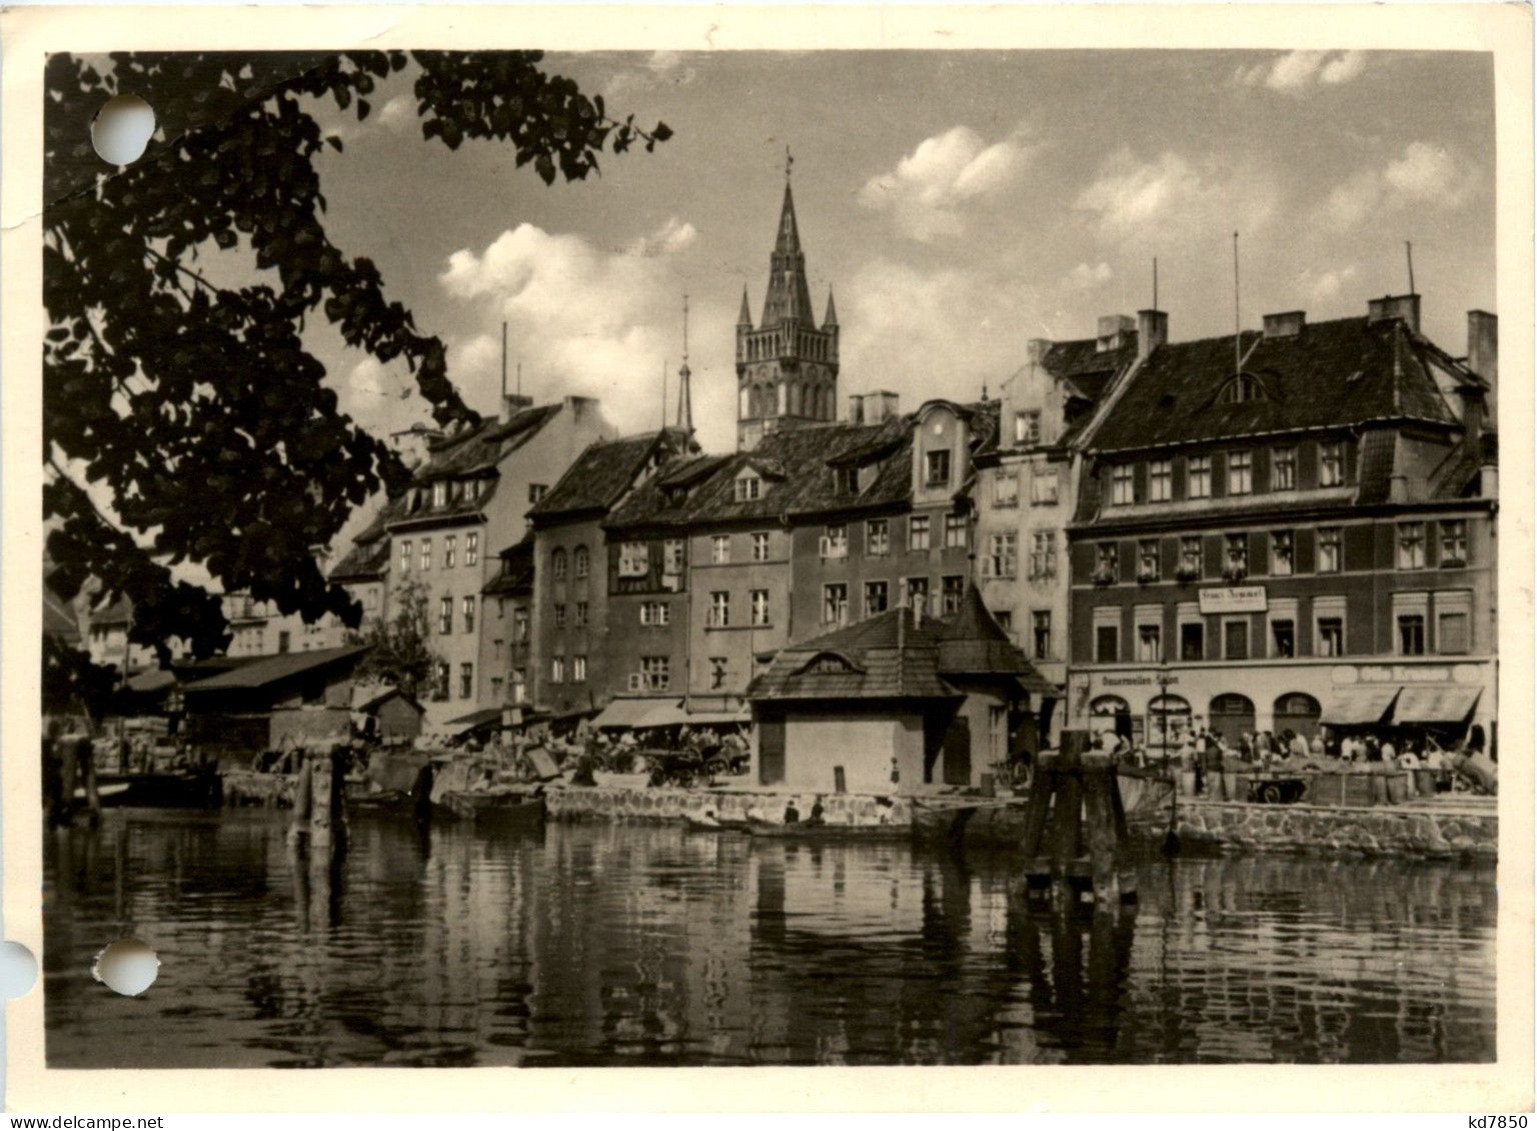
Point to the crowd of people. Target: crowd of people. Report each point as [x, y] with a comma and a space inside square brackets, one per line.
[1203, 751]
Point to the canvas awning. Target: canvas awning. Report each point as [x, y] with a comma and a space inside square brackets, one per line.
[1436, 704]
[641, 713]
[716, 718]
[1359, 706]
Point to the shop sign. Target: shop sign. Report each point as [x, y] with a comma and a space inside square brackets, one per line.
[1136, 679]
[1396, 673]
[1234, 599]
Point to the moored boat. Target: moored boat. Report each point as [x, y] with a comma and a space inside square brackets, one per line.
[807, 830]
[494, 806]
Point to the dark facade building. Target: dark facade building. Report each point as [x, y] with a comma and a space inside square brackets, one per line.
[579, 661]
[1292, 530]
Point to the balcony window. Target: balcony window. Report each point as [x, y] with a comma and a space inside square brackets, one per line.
[1454, 543]
[1282, 553]
[1330, 549]
[1190, 558]
[835, 603]
[1331, 465]
[1283, 469]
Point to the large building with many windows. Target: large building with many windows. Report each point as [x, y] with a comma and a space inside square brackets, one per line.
[1027, 482]
[1290, 530]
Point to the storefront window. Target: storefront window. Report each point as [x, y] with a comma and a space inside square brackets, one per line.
[1112, 713]
[1168, 721]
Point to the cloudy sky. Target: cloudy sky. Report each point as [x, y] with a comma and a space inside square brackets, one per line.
[958, 203]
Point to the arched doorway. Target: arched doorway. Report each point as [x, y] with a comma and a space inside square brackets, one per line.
[1112, 713]
[1232, 715]
[1299, 712]
[1168, 722]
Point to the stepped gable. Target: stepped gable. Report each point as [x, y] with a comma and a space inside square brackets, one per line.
[603, 473]
[1331, 374]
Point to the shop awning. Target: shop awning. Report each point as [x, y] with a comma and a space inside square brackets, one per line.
[1436, 704]
[641, 713]
[1359, 706]
[714, 718]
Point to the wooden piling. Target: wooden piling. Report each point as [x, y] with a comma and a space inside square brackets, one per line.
[1075, 838]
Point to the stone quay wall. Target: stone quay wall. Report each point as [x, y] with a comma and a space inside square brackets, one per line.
[1370, 831]
[651, 805]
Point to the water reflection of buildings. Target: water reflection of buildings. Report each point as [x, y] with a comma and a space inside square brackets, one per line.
[649, 946]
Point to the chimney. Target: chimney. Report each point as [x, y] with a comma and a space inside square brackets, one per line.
[1484, 356]
[1036, 350]
[1406, 308]
[880, 406]
[856, 408]
[1286, 325]
[1152, 331]
[1114, 330]
[514, 403]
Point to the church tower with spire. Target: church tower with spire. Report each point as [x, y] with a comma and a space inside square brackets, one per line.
[786, 367]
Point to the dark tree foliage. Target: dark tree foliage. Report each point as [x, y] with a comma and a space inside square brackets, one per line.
[195, 403]
[400, 650]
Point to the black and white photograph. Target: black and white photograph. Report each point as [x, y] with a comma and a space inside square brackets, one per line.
[728, 558]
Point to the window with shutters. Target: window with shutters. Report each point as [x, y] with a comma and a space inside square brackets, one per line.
[1122, 486]
[1240, 473]
[1282, 553]
[1283, 469]
[1198, 480]
[1330, 549]
[1160, 481]
[1331, 465]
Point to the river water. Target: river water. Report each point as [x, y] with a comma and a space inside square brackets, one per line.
[630, 945]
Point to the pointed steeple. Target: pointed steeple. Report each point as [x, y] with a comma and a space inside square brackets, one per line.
[788, 294]
[685, 400]
[745, 317]
[832, 312]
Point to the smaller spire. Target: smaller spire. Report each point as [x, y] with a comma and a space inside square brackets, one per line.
[832, 311]
[745, 317]
[685, 400]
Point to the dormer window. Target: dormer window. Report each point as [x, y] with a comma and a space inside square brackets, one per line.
[748, 487]
[440, 493]
[846, 480]
[937, 467]
[1027, 428]
[1121, 486]
[1240, 389]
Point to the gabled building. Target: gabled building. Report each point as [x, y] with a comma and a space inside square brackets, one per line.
[1027, 482]
[579, 662]
[1290, 530]
[470, 498]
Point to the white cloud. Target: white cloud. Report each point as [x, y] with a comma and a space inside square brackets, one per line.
[1084, 277]
[1423, 176]
[928, 188]
[1172, 198]
[588, 321]
[658, 69]
[1325, 285]
[398, 113]
[670, 238]
[1298, 71]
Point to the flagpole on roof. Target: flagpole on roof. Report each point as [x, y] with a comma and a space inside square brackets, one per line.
[1409, 254]
[1237, 322]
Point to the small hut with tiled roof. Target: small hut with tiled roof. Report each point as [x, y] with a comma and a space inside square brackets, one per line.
[894, 704]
